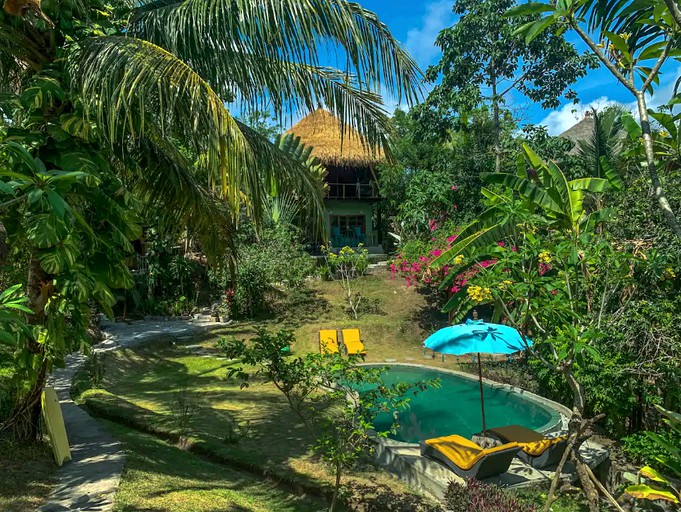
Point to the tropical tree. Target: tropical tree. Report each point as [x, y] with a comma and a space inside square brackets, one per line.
[131, 98]
[635, 41]
[484, 60]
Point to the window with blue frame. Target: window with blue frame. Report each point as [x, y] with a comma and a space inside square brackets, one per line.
[348, 230]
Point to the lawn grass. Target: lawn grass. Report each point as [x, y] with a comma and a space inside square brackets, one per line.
[168, 389]
[160, 477]
[26, 476]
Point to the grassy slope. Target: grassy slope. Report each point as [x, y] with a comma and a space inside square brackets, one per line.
[151, 381]
[159, 476]
[26, 476]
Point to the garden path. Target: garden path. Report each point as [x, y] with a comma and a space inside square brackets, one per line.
[89, 482]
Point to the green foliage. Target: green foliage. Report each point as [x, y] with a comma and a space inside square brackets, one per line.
[482, 51]
[346, 267]
[437, 175]
[658, 486]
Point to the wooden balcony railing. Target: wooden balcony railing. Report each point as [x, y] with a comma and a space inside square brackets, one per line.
[352, 191]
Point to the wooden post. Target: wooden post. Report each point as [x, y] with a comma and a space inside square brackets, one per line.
[482, 396]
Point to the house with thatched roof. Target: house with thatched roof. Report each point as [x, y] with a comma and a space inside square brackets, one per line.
[583, 131]
[351, 215]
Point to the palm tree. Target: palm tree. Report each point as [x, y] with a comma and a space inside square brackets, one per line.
[144, 87]
[155, 76]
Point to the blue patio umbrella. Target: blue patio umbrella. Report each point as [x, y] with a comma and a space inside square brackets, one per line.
[477, 337]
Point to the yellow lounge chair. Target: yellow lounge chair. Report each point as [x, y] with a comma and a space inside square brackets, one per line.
[328, 341]
[353, 343]
[537, 450]
[467, 459]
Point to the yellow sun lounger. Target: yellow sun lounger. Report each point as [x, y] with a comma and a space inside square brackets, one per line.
[537, 450]
[467, 459]
[328, 341]
[353, 343]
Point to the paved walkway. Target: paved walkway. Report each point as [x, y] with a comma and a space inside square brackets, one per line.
[89, 482]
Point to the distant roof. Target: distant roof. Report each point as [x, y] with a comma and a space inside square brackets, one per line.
[322, 131]
[583, 130]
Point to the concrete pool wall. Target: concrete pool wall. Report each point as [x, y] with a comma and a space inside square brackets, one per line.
[405, 460]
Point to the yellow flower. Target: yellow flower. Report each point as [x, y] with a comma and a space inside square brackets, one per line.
[545, 257]
[505, 284]
[479, 294]
[669, 272]
[459, 259]
[664, 133]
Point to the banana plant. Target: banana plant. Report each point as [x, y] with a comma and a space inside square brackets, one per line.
[659, 487]
[537, 187]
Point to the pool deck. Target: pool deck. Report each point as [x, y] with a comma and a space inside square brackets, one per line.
[406, 462]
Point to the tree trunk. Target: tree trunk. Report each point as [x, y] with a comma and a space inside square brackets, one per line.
[667, 211]
[336, 488]
[575, 428]
[23, 424]
[497, 123]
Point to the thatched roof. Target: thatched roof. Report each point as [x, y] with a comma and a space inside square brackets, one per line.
[583, 130]
[322, 131]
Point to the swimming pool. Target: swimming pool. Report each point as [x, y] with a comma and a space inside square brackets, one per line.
[454, 408]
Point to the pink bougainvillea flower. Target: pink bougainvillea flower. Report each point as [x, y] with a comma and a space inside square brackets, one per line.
[501, 243]
[456, 207]
[455, 289]
[454, 187]
[450, 239]
[432, 225]
[436, 252]
[544, 268]
[514, 249]
[554, 292]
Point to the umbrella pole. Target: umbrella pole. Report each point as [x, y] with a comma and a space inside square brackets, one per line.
[482, 396]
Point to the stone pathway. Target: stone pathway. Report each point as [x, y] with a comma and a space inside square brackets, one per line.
[89, 482]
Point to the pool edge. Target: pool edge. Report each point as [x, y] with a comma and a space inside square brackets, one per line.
[560, 425]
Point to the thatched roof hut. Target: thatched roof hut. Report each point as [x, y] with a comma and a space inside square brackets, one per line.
[333, 145]
[583, 131]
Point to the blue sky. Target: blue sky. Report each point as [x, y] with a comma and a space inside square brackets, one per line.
[417, 23]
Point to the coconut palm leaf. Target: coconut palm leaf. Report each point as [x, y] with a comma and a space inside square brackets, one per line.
[605, 142]
[625, 16]
[126, 82]
[272, 29]
[164, 179]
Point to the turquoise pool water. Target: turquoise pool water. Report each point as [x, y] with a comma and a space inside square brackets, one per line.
[454, 408]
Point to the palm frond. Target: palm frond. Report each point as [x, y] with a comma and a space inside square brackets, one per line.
[605, 142]
[164, 179]
[624, 16]
[219, 33]
[132, 88]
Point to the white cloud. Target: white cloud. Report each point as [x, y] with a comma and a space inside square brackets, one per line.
[421, 40]
[568, 115]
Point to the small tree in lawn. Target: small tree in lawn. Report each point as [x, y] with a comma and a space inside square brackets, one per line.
[345, 267]
[322, 391]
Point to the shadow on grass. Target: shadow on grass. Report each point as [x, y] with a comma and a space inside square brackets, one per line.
[158, 472]
[430, 317]
[254, 430]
